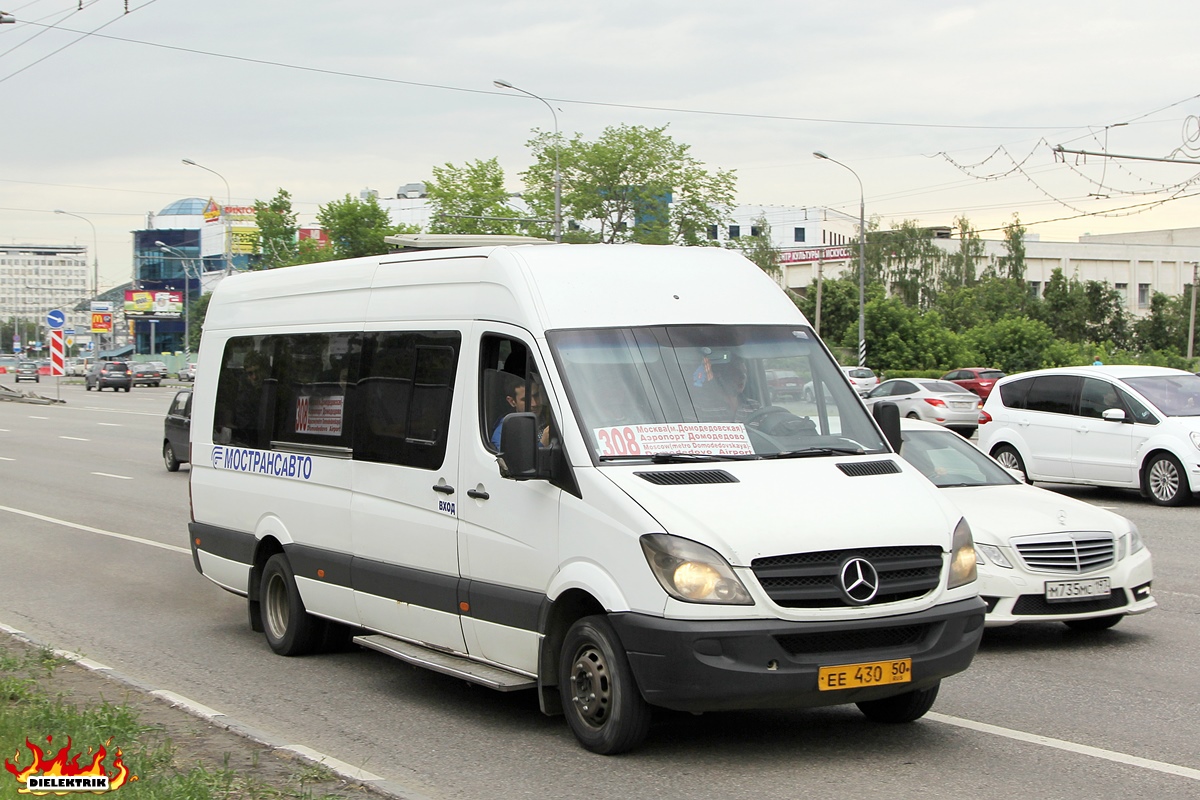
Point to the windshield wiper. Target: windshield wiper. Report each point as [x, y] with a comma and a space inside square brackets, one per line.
[812, 452]
[679, 458]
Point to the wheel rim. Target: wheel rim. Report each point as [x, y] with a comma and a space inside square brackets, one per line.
[591, 688]
[277, 606]
[1008, 458]
[168, 456]
[1164, 480]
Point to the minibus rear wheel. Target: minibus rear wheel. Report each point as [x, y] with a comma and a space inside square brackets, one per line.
[600, 698]
[289, 628]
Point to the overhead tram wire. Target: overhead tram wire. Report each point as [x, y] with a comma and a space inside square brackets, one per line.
[598, 103]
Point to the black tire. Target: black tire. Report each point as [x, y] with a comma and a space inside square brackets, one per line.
[289, 628]
[913, 415]
[169, 458]
[1093, 624]
[600, 698]
[901, 708]
[1164, 481]
[1008, 457]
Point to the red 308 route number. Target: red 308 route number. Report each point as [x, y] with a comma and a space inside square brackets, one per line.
[618, 442]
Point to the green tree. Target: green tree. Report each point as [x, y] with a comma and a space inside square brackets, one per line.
[463, 198]
[1166, 326]
[758, 247]
[276, 231]
[1012, 264]
[961, 269]
[634, 184]
[906, 261]
[1013, 344]
[356, 227]
[839, 309]
[902, 337]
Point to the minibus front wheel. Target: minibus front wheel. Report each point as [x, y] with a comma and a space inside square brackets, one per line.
[289, 628]
[600, 698]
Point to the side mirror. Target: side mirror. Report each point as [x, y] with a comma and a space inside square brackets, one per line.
[1113, 415]
[887, 415]
[519, 446]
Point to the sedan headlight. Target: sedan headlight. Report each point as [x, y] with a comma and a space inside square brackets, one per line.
[691, 572]
[1130, 542]
[1196, 439]
[962, 556]
[993, 554]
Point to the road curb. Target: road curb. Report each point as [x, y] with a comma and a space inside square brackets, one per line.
[342, 769]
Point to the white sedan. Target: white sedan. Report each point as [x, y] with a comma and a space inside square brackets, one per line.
[1042, 556]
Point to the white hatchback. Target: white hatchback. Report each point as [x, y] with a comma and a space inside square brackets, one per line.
[1041, 556]
[862, 379]
[1127, 426]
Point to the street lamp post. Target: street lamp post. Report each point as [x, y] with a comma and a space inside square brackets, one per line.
[862, 260]
[95, 251]
[187, 303]
[502, 84]
[224, 214]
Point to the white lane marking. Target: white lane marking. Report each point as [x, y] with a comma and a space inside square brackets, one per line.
[100, 531]
[75, 438]
[5, 430]
[33, 417]
[111, 424]
[1157, 591]
[2, 458]
[1070, 747]
[110, 475]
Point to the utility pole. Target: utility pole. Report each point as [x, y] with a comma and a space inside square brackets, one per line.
[1192, 318]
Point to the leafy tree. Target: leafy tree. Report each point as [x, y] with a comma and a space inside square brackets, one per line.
[635, 184]
[907, 262]
[902, 337]
[839, 309]
[197, 313]
[1012, 264]
[991, 299]
[1013, 344]
[356, 227]
[759, 248]
[1064, 307]
[1166, 326]
[962, 268]
[460, 196]
[276, 231]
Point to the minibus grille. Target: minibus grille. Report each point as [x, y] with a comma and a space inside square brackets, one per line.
[1066, 552]
[813, 580]
[797, 644]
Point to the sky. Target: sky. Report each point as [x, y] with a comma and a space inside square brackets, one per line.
[941, 109]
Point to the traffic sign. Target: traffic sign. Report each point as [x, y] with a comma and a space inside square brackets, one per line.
[55, 319]
[57, 362]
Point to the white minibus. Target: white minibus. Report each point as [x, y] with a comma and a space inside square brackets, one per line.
[563, 468]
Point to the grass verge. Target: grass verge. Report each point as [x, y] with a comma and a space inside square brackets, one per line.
[60, 708]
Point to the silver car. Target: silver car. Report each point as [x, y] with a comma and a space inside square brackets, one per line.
[931, 400]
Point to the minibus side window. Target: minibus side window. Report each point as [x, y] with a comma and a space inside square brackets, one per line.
[507, 370]
[404, 397]
[314, 377]
[245, 400]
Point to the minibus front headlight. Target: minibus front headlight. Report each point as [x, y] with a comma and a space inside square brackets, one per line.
[962, 556]
[691, 572]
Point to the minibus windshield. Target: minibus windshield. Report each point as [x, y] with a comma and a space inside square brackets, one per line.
[710, 392]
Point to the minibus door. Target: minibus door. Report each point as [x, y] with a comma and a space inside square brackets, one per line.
[406, 481]
[508, 529]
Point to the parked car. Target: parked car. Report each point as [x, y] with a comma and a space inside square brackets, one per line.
[1041, 556]
[80, 366]
[862, 379]
[177, 431]
[931, 400]
[9, 364]
[784, 383]
[27, 371]
[1127, 426]
[979, 380]
[111, 374]
[146, 374]
[187, 373]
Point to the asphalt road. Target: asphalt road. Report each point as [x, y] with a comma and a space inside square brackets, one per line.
[93, 559]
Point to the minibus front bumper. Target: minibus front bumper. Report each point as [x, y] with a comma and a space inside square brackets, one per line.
[725, 665]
